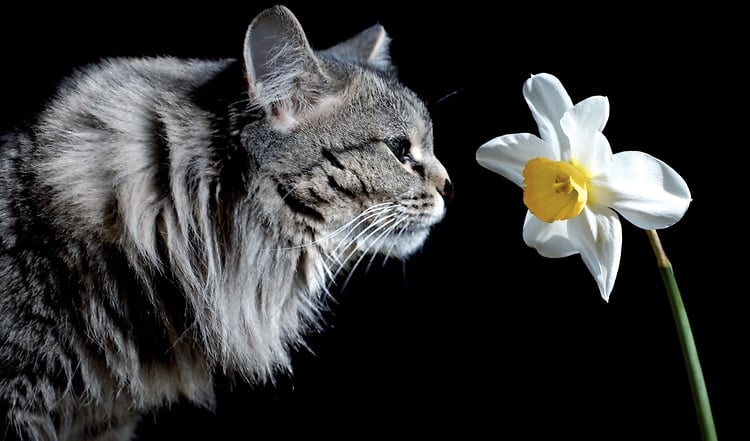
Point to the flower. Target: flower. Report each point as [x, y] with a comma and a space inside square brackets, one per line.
[575, 189]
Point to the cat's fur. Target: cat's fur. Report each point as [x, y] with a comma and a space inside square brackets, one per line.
[163, 218]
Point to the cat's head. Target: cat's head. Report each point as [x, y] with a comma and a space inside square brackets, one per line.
[351, 159]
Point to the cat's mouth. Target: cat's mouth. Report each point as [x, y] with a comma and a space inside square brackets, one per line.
[386, 229]
[402, 244]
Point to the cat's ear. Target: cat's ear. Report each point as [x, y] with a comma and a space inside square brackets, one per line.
[284, 75]
[370, 46]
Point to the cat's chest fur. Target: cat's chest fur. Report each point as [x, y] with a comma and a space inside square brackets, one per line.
[164, 218]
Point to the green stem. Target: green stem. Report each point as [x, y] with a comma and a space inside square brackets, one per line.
[689, 351]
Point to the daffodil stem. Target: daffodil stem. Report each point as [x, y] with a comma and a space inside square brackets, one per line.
[689, 351]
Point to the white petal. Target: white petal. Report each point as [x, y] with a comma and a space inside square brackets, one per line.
[548, 101]
[644, 190]
[507, 155]
[597, 234]
[583, 125]
[549, 239]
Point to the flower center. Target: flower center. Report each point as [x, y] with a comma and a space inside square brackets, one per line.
[554, 190]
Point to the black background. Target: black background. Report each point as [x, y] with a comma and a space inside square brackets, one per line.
[477, 335]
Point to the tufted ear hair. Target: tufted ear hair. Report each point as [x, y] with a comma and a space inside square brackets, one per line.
[370, 46]
[284, 76]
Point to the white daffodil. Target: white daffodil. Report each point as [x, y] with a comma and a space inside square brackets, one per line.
[574, 186]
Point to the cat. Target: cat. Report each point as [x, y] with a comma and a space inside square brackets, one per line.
[165, 218]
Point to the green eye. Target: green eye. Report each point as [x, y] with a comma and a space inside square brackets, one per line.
[400, 147]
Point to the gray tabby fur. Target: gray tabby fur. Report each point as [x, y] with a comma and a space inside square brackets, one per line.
[157, 224]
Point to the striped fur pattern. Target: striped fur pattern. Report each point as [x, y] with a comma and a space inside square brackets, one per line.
[164, 218]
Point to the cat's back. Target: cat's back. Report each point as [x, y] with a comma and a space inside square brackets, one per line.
[142, 75]
[118, 90]
[113, 127]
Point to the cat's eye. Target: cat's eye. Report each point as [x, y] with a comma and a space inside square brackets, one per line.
[400, 147]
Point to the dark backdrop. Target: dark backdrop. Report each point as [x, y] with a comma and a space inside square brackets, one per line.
[477, 334]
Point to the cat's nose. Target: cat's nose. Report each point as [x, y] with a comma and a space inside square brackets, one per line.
[438, 175]
[446, 191]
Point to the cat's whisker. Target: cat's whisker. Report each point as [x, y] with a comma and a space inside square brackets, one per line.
[387, 254]
[247, 101]
[394, 230]
[352, 249]
[329, 273]
[371, 229]
[366, 215]
[182, 336]
[385, 226]
[348, 226]
[348, 242]
[384, 230]
[377, 222]
[351, 272]
[334, 257]
[402, 220]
